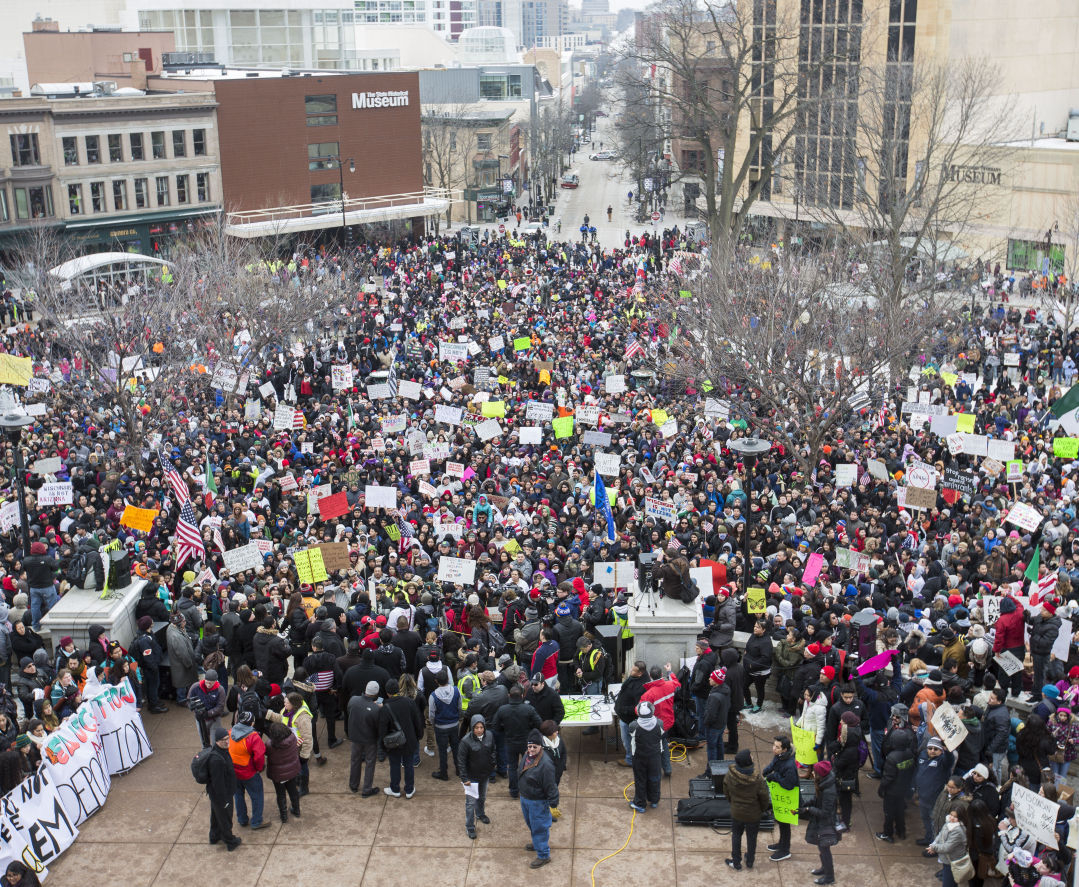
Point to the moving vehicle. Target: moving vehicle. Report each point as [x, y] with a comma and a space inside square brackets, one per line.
[570, 180]
[601, 155]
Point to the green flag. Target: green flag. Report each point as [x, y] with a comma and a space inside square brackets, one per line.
[1031, 571]
[211, 487]
[1067, 403]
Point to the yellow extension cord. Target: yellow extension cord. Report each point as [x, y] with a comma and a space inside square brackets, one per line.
[677, 756]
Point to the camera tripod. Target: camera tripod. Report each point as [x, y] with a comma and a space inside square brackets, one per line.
[646, 590]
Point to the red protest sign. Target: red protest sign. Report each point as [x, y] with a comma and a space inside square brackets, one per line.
[333, 506]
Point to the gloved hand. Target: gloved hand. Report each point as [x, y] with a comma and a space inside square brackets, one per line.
[556, 814]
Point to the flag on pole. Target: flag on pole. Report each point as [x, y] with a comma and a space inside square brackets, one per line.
[174, 478]
[632, 350]
[210, 486]
[1031, 571]
[351, 415]
[604, 506]
[1067, 403]
[188, 538]
[391, 379]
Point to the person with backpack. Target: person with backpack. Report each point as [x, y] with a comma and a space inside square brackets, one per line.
[146, 652]
[213, 767]
[248, 753]
[206, 700]
[645, 744]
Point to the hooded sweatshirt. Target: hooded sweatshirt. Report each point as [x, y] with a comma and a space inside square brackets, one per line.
[444, 707]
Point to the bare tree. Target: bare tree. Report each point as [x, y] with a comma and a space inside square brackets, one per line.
[791, 353]
[449, 144]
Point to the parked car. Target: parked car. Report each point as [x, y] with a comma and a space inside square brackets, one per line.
[601, 113]
[570, 180]
[601, 155]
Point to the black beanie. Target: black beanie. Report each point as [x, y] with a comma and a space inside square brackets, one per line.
[535, 737]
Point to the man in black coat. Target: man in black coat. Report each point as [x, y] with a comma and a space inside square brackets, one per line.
[698, 680]
[476, 763]
[147, 653]
[361, 724]
[546, 702]
[487, 703]
[400, 712]
[221, 789]
[358, 676]
[325, 674]
[514, 720]
[625, 704]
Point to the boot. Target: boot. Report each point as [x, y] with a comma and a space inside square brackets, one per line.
[284, 815]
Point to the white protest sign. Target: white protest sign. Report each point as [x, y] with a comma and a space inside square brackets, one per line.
[878, 469]
[39, 817]
[596, 439]
[955, 443]
[949, 726]
[449, 528]
[379, 497]
[288, 482]
[448, 415]
[1062, 645]
[990, 610]
[394, 424]
[975, 444]
[39, 386]
[716, 409]
[608, 464]
[457, 570]
[1001, 450]
[496, 343]
[1025, 516]
[427, 490]
[587, 414]
[1035, 814]
[488, 429]
[224, 377]
[452, 351]
[75, 759]
[380, 391]
[409, 390]
[266, 389]
[419, 466]
[1011, 360]
[1008, 663]
[846, 474]
[659, 509]
[603, 573]
[9, 516]
[120, 729]
[246, 557]
[625, 574]
[614, 384]
[455, 469]
[536, 411]
[282, 417]
[531, 434]
[252, 409]
[36, 409]
[47, 466]
[669, 428]
[341, 376]
[13, 848]
[56, 494]
[942, 426]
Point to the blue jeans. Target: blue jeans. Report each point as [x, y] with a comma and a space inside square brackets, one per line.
[501, 762]
[537, 816]
[700, 704]
[665, 750]
[925, 810]
[624, 729]
[399, 758]
[252, 787]
[715, 743]
[877, 743]
[474, 806]
[41, 601]
[1059, 770]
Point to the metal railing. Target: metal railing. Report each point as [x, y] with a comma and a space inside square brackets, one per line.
[351, 204]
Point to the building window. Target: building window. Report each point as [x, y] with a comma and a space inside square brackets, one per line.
[319, 155]
[198, 142]
[93, 149]
[202, 182]
[71, 150]
[157, 145]
[97, 196]
[24, 150]
[142, 198]
[5, 214]
[181, 189]
[136, 146]
[483, 141]
[162, 190]
[179, 143]
[119, 194]
[116, 149]
[321, 110]
[326, 194]
[33, 203]
[74, 200]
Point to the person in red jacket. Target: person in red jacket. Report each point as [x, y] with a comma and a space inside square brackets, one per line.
[248, 753]
[660, 692]
[1010, 638]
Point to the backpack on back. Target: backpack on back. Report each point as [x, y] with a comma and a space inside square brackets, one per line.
[200, 766]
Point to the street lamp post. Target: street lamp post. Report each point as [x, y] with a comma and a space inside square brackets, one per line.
[749, 449]
[13, 420]
[341, 185]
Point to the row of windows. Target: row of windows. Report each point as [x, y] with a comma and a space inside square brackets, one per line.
[26, 151]
[30, 203]
[161, 195]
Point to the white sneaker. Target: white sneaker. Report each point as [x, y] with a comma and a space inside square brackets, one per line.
[410, 794]
[391, 792]
[428, 752]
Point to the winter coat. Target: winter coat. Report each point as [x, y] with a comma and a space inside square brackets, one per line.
[950, 843]
[408, 716]
[758, 655]
[748, 794]
[213, 698]
[702, 668]
[271, 654]
[248, 751]
[736, 677]
[361, 719]
[996, 728]
[558, 755]
[782, 770]
[814, 717]
[1043, 634]
[476, 756]
[537, 782]
[514, 720]
[845, 761]
[931, 774]
[547, 703]
[661, 694]
[1010, 630]
[222, 785]
[182, 664]
[301, 722]
[283, 759]
[721, 631]
[821, 813]
[717, 708]
[897, 774]
[628, 697]
[970, 752]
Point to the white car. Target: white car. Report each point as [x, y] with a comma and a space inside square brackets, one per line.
[601, 155]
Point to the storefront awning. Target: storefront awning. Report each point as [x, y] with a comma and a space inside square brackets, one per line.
[317, 216]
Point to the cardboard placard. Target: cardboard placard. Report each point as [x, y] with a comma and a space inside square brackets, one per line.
[333, 506]
[141, 519]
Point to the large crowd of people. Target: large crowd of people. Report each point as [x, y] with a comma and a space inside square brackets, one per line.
[487, 457]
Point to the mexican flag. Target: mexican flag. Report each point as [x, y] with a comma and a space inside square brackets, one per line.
[208, 483]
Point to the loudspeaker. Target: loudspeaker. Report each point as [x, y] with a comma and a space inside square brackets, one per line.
[717, 770]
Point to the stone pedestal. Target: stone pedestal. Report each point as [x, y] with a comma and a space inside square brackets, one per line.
[666, 632]
[80, 608]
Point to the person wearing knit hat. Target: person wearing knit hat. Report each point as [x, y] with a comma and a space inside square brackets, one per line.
[717, 708]
[820, 811]
[538, 788]
[1044, 628]
[148, 655]
[646, 749]
[41, 572]
[749, 798]
[361, 719]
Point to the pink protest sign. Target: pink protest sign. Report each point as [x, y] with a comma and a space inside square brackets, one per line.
[876, 663]
[812, 570]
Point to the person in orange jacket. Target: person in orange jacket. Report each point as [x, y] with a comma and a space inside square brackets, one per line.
[248, 753]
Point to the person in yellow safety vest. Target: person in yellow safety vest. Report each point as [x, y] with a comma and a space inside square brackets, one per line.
[591, 670]
[468, 681]
[620, 616]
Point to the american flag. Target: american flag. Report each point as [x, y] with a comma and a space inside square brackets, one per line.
[297, 420]
[188, 539]
[882, 417]
[632, 350]
[174, 478]
[391, 380]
